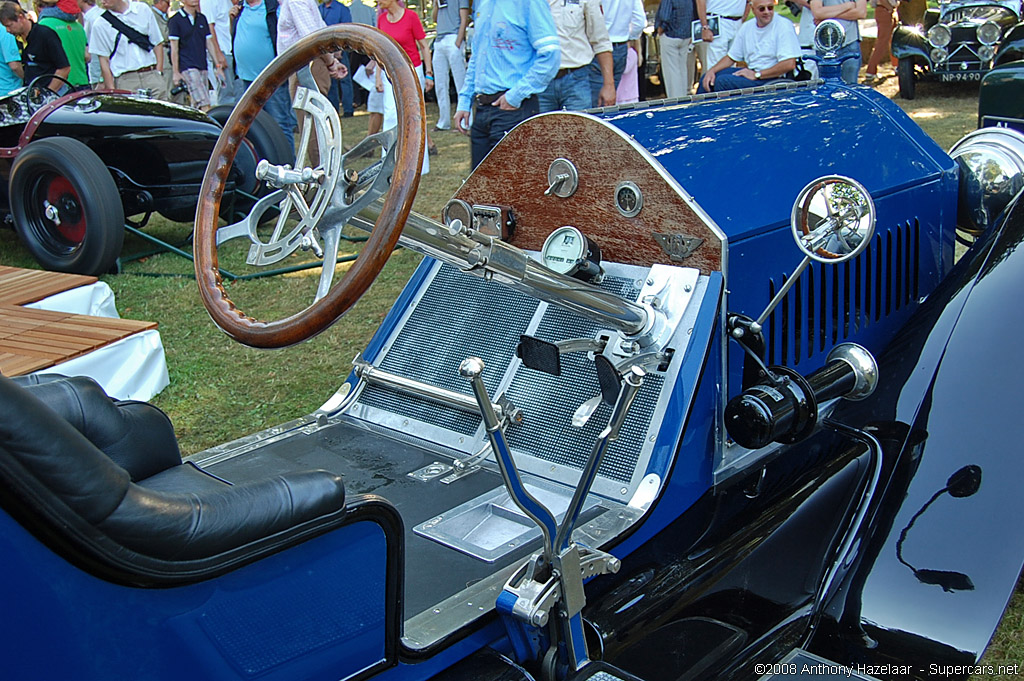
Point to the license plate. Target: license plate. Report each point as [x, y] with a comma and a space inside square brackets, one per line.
[960, 76]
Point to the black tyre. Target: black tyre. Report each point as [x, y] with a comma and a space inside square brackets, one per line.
[66, 207]
[267, 142]
[905, 77]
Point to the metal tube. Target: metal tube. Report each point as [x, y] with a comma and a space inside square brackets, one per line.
[513, 268]
[783, 291]
[375, 376]
[472, 368]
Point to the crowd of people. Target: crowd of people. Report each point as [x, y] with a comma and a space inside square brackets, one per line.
[528, 56]
[205, 53]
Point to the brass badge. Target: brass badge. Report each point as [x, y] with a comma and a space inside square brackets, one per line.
[678, 246]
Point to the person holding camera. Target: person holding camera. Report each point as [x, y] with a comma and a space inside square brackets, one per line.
[190, 36]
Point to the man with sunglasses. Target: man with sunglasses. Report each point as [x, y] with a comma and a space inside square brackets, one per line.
[767, 44]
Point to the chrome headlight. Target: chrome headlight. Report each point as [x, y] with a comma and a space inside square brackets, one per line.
[989, 33]
[939, 35]
[938, 55]
[986, 52]
[829, 36]
[991, 162]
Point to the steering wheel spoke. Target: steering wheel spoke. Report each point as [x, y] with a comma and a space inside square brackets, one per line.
[317, 196]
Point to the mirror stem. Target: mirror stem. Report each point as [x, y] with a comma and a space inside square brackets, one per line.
[790, 282]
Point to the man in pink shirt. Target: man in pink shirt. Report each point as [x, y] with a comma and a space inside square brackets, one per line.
[295, 20]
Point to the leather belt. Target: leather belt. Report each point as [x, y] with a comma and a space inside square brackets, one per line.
[730, 18]
[566, 72]
[144, 69]
[487, 100]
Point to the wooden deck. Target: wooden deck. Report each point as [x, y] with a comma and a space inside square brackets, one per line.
[31, 340]
[20, 286]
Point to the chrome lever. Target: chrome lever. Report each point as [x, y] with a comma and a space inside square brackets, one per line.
[473, 368]
[633, 380]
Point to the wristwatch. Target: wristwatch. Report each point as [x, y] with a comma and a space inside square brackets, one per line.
[757, 74]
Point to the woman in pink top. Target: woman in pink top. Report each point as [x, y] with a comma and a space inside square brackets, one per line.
[407, 30]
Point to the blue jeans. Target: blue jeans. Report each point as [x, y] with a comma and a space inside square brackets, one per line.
[279, 106]
[571, 91]
[726, 80]
[851, 67]
[490, 125]
[619, 53]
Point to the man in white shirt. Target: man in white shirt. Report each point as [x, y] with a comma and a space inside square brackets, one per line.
[217, 12]
[767, 44]
[129, 59]
[90, 13]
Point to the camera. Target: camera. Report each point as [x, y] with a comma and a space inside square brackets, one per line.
[179, 88]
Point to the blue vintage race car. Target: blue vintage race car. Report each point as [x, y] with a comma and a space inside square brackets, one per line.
[685, 390]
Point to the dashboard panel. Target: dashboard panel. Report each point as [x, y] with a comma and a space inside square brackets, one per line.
[622, 199]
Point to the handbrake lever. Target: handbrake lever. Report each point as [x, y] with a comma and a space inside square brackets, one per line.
[631, 386]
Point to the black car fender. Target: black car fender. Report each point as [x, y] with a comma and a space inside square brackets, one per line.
[950, 423]
[1011, 47]
[908, 41]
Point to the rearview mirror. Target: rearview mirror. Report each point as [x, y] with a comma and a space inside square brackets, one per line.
[833, 219]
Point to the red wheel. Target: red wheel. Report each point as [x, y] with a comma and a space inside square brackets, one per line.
[66, 207]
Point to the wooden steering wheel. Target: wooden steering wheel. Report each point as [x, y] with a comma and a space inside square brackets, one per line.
[319, 193]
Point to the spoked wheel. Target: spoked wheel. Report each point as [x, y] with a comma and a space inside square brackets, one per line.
[66, 207]
[317, 195]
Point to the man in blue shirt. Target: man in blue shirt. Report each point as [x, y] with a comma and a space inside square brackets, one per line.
[254, 36]
[515, 55]
[10, 59]
[333, 13]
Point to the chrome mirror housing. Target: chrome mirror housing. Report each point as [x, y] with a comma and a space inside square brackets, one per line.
[832, 221]
[991, 163]
[833, 218]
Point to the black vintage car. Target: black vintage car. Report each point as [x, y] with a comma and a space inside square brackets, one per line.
[72, 168]
[681, 390]
[959, 41]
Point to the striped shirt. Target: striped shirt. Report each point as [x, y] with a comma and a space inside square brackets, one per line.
[295, 20]
[515, 48]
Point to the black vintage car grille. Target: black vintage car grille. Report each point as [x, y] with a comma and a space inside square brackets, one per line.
[832, 303]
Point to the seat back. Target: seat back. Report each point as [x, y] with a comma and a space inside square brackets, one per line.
[45, 461]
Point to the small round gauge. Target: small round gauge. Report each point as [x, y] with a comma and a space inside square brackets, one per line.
[457, 209]
[628, 199]
[568, 251]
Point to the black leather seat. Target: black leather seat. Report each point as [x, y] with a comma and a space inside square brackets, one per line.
[116, 465]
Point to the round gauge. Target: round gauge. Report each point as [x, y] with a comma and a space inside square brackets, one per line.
[628, 199]
[457, 209]
[829, 36]
[567, 251]
[563, 248]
